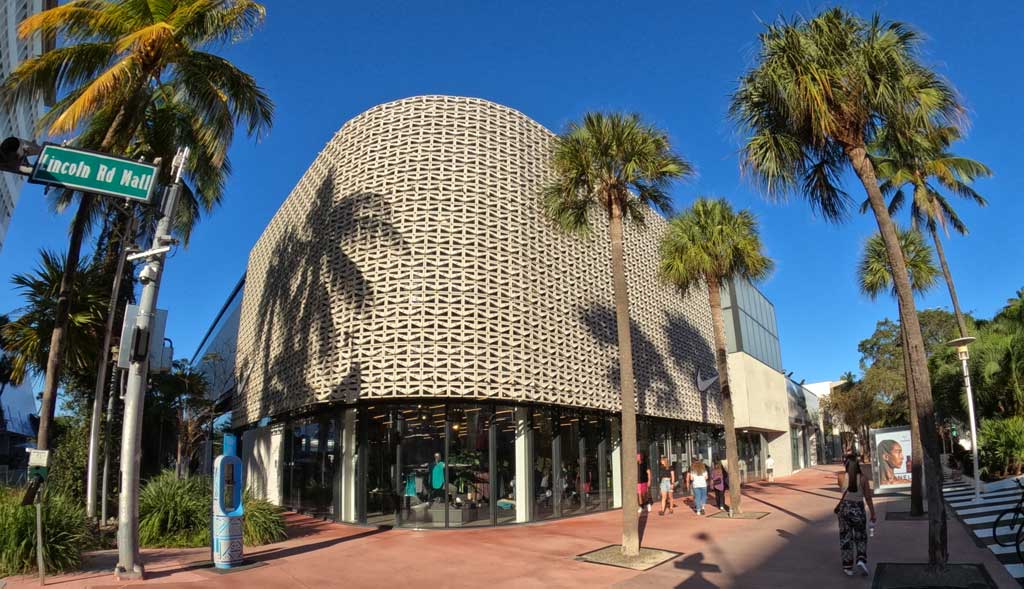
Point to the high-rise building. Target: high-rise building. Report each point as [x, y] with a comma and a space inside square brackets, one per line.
[19, 120]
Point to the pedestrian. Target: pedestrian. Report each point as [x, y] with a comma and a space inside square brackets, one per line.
[699, 483]
[665, 485]
[643, 478]
[720, 484]
[853, 533]
[769, 465]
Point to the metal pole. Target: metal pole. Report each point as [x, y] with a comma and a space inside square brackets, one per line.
[104, 488]
[101, 378]
[974, 434]
[129, 565]
[40, 561]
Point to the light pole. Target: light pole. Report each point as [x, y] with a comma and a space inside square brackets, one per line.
[961, 349]
[129, 564]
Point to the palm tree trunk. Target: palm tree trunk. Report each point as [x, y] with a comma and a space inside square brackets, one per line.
[630, 520]
[960, 322]
[938, 547]
[60, 322]
[732, 454]
[916, 455]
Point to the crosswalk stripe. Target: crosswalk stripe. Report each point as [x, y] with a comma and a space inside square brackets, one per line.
[986, 532]
[992, 499]
[982, 519]
[1015, 570]
[995, 507]
[997, 549]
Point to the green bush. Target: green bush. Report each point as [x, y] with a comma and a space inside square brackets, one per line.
[71, 451]
[263, 522]
[65, 533]
[176, 513]
[1002, 444]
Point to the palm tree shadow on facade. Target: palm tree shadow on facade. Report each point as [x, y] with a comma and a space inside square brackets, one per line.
[650, 373]
[690, 351]
[312, 286]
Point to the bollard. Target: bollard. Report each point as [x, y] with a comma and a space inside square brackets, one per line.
[228, 511]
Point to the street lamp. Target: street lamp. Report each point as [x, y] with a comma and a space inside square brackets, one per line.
[961, 350]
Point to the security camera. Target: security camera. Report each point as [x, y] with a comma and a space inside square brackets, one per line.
[147, 275]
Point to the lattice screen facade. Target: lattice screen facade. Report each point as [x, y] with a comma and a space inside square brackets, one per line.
[413, 260]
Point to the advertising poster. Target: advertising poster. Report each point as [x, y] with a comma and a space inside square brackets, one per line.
[890, 454]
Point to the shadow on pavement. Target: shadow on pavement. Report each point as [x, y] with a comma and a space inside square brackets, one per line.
[695, 564]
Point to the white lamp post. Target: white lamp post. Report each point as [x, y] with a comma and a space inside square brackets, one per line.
[961, 350]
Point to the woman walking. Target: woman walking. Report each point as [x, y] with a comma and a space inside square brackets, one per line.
[720, 484]
[665, 485]
[853, 533]
[699, 483]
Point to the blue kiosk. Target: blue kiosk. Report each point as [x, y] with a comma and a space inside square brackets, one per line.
[228, 512]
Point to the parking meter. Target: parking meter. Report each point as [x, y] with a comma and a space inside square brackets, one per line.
[227, 507]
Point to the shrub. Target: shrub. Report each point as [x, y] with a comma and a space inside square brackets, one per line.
[263, 522]
[65, 532]
[175, 512]
[1002, 444]
[71, 451]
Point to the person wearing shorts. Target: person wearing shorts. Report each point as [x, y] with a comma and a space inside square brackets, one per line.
[769, 465]
[643, 479]
[665, 485]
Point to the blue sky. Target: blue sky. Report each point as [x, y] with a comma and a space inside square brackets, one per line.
[674, 62]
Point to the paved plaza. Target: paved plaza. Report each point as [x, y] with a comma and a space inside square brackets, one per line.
[796, 545]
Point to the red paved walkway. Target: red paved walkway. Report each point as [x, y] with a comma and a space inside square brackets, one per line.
[795, 546]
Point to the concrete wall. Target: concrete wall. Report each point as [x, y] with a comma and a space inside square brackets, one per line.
[760, 402]
[261, 462]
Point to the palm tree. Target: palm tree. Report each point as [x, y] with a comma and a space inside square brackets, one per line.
[875, 277]
[708, 245]
[27, 335]
[118, 56]
[618, 165]
[819, 93]
[184, 391]
[921, 165]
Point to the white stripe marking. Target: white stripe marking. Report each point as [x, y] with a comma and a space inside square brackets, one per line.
[983, 519]
[993, 499]
[997, 507]
[997, 549]
[1015, 570]
[1003, 531]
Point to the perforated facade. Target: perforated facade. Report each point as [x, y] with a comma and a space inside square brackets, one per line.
[413, 260]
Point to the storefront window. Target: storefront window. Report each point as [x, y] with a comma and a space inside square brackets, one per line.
[422, 482]
[543, 425]
[503, 490]
[311, 456]
[469, 484]
[378, 461]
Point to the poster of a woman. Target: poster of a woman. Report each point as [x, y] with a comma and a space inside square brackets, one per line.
[892, 457]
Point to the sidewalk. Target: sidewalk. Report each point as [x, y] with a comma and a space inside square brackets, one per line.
[797, 545]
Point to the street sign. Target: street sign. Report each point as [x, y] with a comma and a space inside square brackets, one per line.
[89, 171]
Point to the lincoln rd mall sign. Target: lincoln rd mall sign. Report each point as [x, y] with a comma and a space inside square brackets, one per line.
[88, 171]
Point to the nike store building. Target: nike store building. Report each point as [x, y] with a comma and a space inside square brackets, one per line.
[417, 345]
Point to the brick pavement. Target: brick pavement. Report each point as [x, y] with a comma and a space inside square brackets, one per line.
[797, 544]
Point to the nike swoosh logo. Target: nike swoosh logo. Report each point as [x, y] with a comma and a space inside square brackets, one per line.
[704, 384]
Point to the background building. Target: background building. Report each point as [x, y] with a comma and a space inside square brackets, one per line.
[774, 415]
[19, 121]
[18, 424]
[418, 345]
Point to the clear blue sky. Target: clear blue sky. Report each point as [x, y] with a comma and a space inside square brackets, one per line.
[675, 62]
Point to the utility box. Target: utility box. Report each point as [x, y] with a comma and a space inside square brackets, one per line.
[155, 346]
[228, 511]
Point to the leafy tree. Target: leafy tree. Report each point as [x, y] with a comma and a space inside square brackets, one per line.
[821, 91]
[706, 246]
[923, 162]
[618, 165]
[119, 58]
[184, 392]
[857, 406]
[28, 335]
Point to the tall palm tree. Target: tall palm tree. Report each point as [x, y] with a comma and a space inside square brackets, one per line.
[875, 277]
[923, 163]
[706, 246]
[618, 165]
[118, 56]
[819, 93]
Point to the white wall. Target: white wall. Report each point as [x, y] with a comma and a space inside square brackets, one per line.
[261, 462]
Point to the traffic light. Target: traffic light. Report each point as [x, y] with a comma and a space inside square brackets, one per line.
[14, 154]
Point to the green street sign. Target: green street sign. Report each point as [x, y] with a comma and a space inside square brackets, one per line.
[90, 171]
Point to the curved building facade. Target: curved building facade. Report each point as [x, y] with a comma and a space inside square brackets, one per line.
[419, 335]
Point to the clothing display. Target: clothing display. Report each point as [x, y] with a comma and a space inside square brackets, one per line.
[437, 476]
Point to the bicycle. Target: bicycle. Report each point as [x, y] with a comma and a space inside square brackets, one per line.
[1014, 520]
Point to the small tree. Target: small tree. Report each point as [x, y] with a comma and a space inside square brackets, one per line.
[184, 391]
[704, 247]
